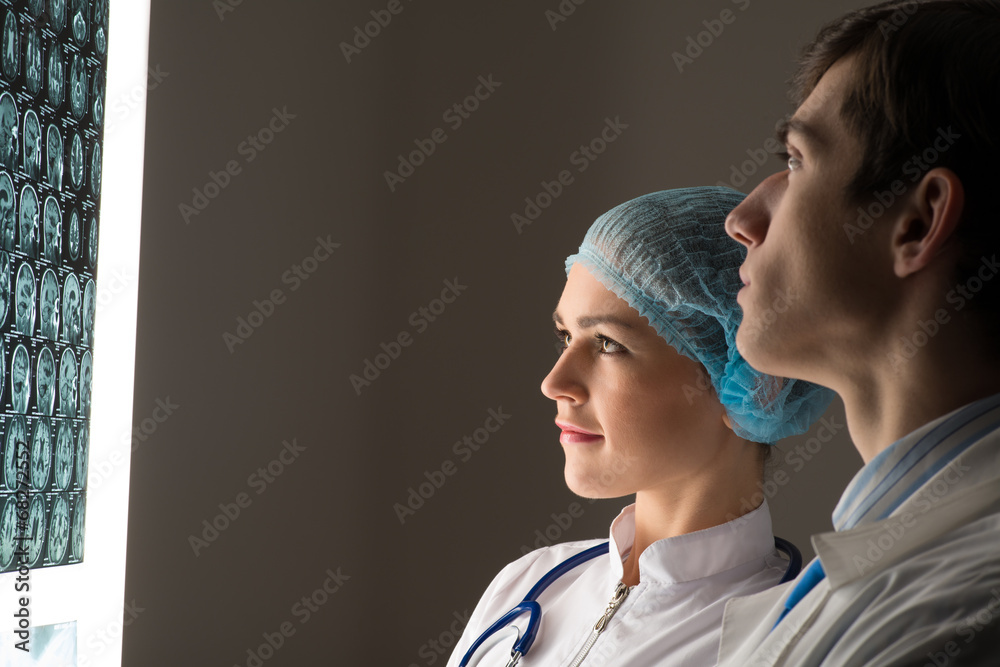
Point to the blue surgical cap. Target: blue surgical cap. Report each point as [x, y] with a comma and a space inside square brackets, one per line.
[667, 254]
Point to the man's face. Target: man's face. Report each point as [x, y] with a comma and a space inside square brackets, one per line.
[810, 288]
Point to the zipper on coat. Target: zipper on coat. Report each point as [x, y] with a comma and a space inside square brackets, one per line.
[621, 592]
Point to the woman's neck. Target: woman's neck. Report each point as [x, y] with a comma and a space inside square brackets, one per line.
[712, 498]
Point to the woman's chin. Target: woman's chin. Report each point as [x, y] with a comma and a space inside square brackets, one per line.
[591, 487]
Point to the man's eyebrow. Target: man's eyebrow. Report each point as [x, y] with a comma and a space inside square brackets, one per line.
[809, 132]
[588, 321]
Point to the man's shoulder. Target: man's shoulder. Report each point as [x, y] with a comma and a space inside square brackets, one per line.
[942, 598]
[965, 556]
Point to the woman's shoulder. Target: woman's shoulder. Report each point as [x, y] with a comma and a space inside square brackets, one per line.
[534, 564]
[560, 551]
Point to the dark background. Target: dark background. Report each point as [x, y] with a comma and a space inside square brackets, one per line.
[220, 77]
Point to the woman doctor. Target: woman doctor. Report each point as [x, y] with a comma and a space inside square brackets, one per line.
[652, 399]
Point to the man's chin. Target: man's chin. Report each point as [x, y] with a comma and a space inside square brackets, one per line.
[757, 349]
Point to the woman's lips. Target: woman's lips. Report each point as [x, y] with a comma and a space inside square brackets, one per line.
[572, 434]
[575, 438]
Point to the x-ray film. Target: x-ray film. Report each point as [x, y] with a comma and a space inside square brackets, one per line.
[53, 72]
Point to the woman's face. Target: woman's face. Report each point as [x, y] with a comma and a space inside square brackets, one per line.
[618, 379]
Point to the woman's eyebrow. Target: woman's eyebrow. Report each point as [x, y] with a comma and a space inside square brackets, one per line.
[588, 321]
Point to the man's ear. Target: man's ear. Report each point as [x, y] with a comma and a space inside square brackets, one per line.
[927, 223]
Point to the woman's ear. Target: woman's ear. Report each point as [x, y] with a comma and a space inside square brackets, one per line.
[928, 222]
[726, 420]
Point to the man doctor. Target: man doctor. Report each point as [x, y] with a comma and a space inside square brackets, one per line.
[884, 231]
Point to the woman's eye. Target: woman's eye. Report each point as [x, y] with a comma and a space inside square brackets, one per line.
[609, 346]
[605, 344]
[563, 337]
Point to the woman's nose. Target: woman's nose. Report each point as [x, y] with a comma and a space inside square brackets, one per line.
[564, 381]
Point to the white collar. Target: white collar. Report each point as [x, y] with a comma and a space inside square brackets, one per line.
[967, 489]
[885, 482]
[696, 555]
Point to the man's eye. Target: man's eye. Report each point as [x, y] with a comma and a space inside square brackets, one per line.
[791, 162]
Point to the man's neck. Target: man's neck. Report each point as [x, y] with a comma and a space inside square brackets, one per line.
[899, 395]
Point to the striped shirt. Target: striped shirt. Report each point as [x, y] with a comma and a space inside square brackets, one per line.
[903, 467]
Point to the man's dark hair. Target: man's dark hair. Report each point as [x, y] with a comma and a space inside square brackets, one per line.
[926, 71]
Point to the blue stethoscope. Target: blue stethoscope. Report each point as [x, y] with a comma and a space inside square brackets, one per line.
[504, 630]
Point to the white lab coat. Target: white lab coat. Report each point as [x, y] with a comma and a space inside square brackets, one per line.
[672, 617]
[920, 587]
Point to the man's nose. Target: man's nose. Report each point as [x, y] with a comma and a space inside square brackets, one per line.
[748, 222]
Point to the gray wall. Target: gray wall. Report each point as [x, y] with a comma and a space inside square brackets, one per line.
[330, 506]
